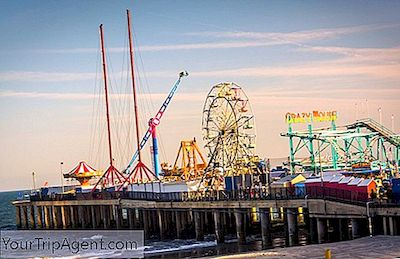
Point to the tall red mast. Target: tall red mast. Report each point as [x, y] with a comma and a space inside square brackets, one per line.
[112, 176]
[133, 84]
[140, 168]
[103, 57]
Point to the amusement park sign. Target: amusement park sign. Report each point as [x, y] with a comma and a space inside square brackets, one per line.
[308, 117]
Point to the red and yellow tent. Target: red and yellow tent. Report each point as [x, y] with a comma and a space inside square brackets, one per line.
[83, 173]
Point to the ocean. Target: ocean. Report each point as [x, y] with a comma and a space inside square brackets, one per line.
[7, 210]
[164, 249]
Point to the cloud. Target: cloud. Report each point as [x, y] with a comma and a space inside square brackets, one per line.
[374, 63]
[30, 76]
[167, 47]
[317, 69]
[325, 93]
[257, 94]
[297, 36]
[55, 96]
[79, 50]
[51, 77]
[377, 55]
[90, 96]
[243, 39]
[377, 64]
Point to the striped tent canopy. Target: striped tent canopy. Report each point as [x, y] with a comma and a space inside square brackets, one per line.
[82, 170]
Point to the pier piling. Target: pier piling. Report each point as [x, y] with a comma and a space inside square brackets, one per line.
[292, 227]
[219, 226]
[240, 226]
[266, 235]
[355, 228]
[198, 223]
[321, 229]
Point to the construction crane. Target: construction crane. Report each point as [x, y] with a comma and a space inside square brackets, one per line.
[151, 132]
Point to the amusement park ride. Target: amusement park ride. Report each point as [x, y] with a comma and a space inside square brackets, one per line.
[111, 176]
[83, 173]
[140, 173]
[363, 144]
[228, 130]
[192, 163]
[229, 139]
[229, 135]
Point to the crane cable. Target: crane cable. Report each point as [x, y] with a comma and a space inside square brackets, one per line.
[150, 102]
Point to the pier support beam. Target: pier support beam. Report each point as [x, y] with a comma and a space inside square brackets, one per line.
[39, 216]
[219, 226]
[240, 226]
[93, 217]
[131, 218]
[321, 228]
[171, 224]
[307, 224]
[104, 211]
[392, 226]
[343, 229]
[18, 216]
[81, 217]
[24, 217]
[266, 235]
[152, 216]
[385, 225]
[179, 224]
[161, 224]
[117, 217]
[198, 224]
[333, 230]
[139, 223]
[292, 227]
[59, 216]
[54, 217]
[47, 220]
[64, 217]
[72, 217]
[355, 228]
[313, 229]
[32, 223]
[146, 225]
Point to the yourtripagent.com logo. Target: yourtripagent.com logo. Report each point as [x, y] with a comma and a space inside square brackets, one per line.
[116, 244]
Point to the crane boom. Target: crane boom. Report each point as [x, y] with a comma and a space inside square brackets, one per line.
[155, 121]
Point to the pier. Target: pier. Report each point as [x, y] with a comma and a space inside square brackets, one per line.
[193, 215]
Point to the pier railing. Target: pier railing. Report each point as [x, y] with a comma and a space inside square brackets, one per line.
[286, 193]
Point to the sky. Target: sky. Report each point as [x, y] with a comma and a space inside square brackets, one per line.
[288, 56]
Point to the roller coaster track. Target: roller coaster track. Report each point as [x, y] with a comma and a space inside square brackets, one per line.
[374, 126]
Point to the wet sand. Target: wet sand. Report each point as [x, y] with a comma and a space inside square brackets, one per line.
[366, 247]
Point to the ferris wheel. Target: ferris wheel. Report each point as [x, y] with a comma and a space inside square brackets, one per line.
[228, 128]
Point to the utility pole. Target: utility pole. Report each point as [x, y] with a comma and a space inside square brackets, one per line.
[62, 176]
[380, 115]
[33, 181]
